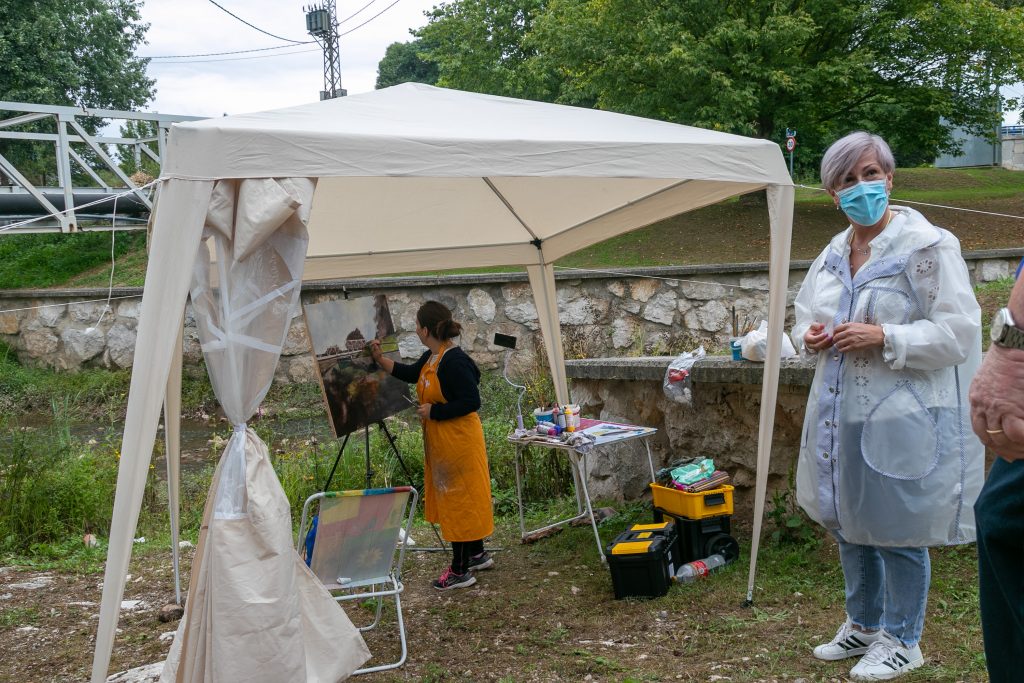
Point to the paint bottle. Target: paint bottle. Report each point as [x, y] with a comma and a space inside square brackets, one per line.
[569, 426]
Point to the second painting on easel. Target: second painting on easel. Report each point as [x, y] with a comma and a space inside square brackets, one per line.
[357, 391]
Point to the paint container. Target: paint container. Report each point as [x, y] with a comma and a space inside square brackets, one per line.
[543, 415]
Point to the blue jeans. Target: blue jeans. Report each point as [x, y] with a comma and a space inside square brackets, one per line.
[886, 588]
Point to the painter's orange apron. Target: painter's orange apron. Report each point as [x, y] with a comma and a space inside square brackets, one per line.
[456, 480]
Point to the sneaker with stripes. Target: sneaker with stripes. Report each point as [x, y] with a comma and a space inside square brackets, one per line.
[848, 642]
[886, 659]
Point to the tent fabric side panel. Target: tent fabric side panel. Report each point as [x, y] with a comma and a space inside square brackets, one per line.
[172, 451]
[780, 210]
[542, 281]
[176, 235]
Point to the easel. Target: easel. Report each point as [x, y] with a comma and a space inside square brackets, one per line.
[370, 472]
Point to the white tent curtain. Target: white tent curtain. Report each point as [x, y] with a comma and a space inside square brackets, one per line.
[255, 612]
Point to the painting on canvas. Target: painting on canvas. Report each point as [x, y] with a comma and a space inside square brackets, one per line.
[357, 391]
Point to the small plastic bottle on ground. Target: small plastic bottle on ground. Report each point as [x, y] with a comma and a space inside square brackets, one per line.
[698, 569]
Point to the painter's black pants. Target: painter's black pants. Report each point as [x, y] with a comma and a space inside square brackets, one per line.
[1000, 517]
[462, 551]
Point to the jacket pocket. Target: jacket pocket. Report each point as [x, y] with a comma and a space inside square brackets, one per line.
[900, 439]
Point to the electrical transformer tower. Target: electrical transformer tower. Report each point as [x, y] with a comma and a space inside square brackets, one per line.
[322, 24]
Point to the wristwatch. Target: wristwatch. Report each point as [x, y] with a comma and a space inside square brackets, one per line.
[1005, 332]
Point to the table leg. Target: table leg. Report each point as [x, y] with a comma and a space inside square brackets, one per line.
[581, 465]
[650, 460]
[519, 492]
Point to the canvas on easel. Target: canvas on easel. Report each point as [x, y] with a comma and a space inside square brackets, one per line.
[356, 390]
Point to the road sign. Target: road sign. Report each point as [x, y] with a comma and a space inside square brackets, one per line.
[790, 144]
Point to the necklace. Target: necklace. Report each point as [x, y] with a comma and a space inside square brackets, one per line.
[867, 250]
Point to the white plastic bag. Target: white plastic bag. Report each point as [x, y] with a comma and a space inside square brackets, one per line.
[754, 345]
[677, 377]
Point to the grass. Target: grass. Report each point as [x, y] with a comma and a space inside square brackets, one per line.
[50, 260]
[732, 231]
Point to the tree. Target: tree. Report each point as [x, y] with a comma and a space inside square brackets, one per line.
[909, 70]
[70, 52]
[402, 64]
[481, 46]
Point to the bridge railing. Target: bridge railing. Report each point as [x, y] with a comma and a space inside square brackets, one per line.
[21, 198]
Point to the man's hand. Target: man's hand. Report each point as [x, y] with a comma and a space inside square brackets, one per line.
[423, 410]
[997, 402]
[857, 336]
[816, 338]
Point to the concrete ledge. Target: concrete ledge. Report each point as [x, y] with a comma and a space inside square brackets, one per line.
[708, 370]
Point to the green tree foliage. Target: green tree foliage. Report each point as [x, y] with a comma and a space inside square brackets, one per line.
[402, 64]
[906, 69]
[483, 46]
[69, 52]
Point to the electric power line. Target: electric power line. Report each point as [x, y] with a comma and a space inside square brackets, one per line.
[230, 52]
[232, 59]
[353, 15]
[287, 40]
[368, 20]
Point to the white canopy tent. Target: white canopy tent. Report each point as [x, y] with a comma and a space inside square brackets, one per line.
[406, 179]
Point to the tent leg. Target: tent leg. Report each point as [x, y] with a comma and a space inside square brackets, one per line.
[542, 281]
[172, 454]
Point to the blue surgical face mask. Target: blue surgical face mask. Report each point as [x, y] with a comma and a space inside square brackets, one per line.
[865, 202]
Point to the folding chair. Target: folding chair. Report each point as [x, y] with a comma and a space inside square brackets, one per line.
[356, 537]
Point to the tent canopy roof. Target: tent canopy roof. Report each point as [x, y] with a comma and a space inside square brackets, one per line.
[454, 189]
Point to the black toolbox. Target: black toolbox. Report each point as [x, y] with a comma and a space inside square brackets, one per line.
[667, 530]
[699, 538]
[640, 566]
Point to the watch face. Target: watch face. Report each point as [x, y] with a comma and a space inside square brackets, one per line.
[998, 325]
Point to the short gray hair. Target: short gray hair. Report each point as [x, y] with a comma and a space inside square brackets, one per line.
[845, 152]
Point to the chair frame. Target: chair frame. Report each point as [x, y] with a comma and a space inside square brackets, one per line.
[391, 585]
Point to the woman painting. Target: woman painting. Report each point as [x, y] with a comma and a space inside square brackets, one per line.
[456, 479]
[888, 463]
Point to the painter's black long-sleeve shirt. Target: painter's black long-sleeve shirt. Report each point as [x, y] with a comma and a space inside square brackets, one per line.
[459, 378]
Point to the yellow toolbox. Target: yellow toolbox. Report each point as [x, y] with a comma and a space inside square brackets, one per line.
[711, 503]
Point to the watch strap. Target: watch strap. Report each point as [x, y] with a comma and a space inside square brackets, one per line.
[1011, 338]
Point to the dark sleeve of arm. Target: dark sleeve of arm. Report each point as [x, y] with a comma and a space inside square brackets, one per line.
[410, 372]
[459, 380]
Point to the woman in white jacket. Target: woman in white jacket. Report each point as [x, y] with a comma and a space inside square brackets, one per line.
[888, 462]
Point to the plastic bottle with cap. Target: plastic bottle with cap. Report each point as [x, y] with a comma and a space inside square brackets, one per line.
[699, 569]
[569, 426]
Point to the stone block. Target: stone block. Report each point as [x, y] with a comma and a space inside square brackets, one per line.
[642, 290]
[297, 340]
[583, 311]
[50, 314]
[82, 345]
[121, 345]
[703, 291]
[301, 369]
[87, 312]
[482, 304]
[616, 287]
[39, 342]
[623, 333]
[989, 270]
[661, 308]
[409, 346]
[523, 312]
[132, 307]
[9, 323]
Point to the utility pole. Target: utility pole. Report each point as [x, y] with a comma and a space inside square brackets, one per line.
[322, 24]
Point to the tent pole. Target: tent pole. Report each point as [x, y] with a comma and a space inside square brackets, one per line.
[172, 453]
[780, 210]
[542, 281]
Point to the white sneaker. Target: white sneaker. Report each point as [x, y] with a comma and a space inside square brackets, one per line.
[848, 642]
[886, 659]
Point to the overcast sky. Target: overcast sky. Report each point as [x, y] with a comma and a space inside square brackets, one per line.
[213, 88]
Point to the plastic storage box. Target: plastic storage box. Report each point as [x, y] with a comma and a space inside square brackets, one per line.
[693, 505]
[665, 529]
[700, 538]
[639, 567]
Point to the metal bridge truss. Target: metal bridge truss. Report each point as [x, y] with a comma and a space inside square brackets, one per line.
[24, 200]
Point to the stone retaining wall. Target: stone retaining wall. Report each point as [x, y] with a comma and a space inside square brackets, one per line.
[1013, 153]
[641, 311]
[721, 423]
